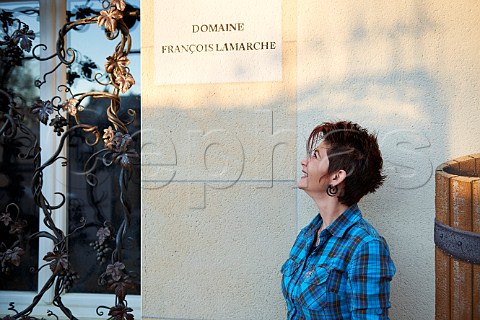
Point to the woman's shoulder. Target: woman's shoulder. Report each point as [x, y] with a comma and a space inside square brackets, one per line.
[362, 232]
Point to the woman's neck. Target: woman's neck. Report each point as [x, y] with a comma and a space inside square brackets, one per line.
[330, 209]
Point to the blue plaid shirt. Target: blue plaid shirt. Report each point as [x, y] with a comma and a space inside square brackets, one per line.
[347, 276]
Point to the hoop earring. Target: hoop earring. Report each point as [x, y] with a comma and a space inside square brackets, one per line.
[331, 190]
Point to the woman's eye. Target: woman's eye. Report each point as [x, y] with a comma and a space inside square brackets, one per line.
[314, 154]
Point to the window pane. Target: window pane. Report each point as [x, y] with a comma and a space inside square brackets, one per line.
[18, 214]
[100, 205]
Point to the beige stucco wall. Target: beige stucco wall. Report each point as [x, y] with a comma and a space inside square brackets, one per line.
[220, 208]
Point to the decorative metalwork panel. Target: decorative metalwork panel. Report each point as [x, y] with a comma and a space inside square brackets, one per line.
[18, 212]
[97, 204]
[112, 141]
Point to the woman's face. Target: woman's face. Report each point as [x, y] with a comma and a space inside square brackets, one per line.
[315, 176]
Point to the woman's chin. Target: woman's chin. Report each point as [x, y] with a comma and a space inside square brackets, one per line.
[301, 184]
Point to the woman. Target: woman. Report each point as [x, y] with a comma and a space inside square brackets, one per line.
[339, 266]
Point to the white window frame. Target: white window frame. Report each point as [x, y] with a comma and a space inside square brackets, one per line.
[82, 305]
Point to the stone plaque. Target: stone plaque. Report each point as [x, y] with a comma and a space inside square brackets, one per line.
[217, 41]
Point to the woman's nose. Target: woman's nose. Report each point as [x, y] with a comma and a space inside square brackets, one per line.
[304, 162]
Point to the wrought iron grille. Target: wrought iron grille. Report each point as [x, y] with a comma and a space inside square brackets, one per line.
[66, 119]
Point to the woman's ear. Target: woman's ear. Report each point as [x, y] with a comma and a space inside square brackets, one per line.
[338, 177]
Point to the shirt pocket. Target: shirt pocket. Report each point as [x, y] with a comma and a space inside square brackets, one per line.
[313, 288]
[289, 267]
[320, 288]
[288, 271]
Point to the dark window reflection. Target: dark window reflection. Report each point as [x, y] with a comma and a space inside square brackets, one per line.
[93, 190]
[18, 214]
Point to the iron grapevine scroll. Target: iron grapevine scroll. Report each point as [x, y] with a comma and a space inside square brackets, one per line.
[119, 149]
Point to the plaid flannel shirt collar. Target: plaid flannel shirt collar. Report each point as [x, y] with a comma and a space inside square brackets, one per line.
[338, 227]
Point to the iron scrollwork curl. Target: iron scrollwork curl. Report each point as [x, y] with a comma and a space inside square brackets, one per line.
[118, 150]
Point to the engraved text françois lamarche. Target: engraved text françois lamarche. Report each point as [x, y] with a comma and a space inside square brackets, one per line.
[218, 47]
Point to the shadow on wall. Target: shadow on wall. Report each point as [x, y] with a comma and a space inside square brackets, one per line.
[219, 204]
[227, 175]
[384, 78]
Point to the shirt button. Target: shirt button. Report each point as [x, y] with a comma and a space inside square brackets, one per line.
[379, 311]
[308, 274]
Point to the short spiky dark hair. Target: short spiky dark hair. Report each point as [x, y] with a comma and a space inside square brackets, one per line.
[353, 149]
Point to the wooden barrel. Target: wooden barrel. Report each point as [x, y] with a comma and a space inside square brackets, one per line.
[457, 235]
